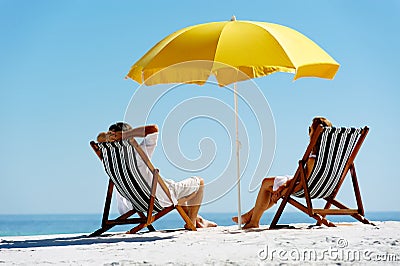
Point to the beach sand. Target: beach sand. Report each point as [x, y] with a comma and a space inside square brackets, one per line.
[224, 245]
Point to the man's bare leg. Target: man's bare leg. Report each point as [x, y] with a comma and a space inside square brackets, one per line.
[193, 205]
[203, 223]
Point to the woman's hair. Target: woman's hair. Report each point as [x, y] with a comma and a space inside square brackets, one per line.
[319, 121]
[119, 126]
[316, 122]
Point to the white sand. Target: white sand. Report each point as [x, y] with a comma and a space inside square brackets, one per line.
[355, 242]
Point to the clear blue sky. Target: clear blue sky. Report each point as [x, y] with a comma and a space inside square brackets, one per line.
[62, 68]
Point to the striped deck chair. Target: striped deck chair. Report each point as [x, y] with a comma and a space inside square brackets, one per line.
[336, 150]
[120, 164]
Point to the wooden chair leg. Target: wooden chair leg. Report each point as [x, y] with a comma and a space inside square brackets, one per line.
[98, 232]
[357, 216]
[108, 224]
[107, 204]
[153, 218]
[327, 206]
[136, 228]
[356, 190]
[316, 216]
[285, 200]
[188, 222]
[150, 227]
[299, 177]
[278, 213]
[106, 211]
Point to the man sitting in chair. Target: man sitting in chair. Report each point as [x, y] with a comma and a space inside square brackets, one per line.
[188, 193]
[272, 188]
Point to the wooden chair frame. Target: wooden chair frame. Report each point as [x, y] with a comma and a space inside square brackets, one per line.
[144, 219]
[320, 214]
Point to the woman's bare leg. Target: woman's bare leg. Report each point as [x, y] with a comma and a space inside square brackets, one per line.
[263, 203]
[245, 217]
[252, 218]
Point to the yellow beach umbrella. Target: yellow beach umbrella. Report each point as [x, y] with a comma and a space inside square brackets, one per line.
[255, 48]
[232, 51]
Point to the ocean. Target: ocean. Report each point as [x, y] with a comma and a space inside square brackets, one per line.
[25, 225]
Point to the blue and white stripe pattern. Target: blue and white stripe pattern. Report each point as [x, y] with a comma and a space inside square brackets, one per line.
[334, 148]
[119, 160]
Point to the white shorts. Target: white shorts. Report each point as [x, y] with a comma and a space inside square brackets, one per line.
[280, 180]
[183, 188]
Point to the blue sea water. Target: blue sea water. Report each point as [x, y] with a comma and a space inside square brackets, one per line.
[17, 225]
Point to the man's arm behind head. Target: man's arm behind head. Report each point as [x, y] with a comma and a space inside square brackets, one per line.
[150, 129]
[141, 132]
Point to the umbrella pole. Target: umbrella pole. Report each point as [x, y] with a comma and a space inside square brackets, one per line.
[237, 154]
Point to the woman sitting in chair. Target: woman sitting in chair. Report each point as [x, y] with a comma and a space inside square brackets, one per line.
[272, 188]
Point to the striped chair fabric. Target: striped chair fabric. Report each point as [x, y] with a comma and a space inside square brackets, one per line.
[120, 163]
[335, 146]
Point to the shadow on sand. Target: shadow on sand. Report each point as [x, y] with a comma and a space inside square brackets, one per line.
[77, 241]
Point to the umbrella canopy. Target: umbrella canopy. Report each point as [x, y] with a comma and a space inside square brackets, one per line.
[254, 48]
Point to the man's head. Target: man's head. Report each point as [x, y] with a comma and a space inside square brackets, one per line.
[115, 128]
[119, 126]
